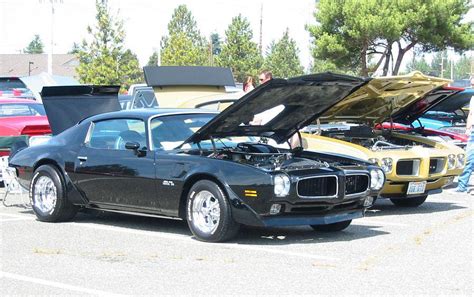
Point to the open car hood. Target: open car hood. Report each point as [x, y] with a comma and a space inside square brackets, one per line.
[454, 102]
[443, 97]
[302, 99]
[381, 98]
[66, 105]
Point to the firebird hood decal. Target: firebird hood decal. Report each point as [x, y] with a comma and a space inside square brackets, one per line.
[382, 98]
[292, 104]
[66, 105]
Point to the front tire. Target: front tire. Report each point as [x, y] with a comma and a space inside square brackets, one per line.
[209, 213]
[48, 197]
[409, 202]
[334, 227]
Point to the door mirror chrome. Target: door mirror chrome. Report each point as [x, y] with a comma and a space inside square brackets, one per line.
[132, 145]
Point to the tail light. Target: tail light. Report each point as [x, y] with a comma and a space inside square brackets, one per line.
[36, 130]
[4, 152]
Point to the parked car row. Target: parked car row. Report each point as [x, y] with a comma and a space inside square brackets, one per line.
[219, 171]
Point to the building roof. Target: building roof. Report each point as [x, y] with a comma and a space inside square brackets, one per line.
[19, 64]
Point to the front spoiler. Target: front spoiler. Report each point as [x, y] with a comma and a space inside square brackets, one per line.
[311, 220]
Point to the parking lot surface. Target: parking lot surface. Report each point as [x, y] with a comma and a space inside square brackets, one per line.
[392, 251]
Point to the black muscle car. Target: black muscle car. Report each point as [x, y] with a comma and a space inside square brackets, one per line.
[213, 170]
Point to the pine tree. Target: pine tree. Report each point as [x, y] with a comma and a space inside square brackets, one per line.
[104, 60]
[184, 44]
[282, 58]
[239, 52]
[35, 46]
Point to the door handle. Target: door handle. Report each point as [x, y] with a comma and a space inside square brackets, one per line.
[82, 158]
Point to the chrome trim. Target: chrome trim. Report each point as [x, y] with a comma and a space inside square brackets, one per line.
[319, 176]
[141, 214]
[168, 114]
[439, 169]
[358, 193]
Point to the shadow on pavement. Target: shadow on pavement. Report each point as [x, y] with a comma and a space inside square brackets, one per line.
[383, 207]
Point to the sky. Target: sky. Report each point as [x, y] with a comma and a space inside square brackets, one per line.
[146, 21]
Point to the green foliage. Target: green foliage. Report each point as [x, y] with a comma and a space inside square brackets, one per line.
[349, 32]
[440, 63]
[104, 60]
[282, 58]
[462, 68]
[35, 46]
[419, 65]
[184, 45]
[216, 44]
[153, 59]
[75, 48]
[239, 51]
[181, 51]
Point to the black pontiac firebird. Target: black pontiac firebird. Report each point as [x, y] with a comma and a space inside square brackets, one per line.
[211, 169]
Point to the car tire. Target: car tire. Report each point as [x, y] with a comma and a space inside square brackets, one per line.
[48, 196]
[334, 227]
[209, 214]
[409, 202]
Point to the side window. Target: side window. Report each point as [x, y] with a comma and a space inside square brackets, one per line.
[114, 134]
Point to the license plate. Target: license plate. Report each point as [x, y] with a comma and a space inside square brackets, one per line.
[416, 188]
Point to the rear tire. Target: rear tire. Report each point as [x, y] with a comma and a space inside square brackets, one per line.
[209, 214]
[334, 227]
[409, 202]
[49, 200]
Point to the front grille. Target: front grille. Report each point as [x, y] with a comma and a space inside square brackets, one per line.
[408, 167]
[436, 165]
[324, 186]
[356, 184]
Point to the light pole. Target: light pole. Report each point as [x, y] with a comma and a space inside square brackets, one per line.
[29, 67]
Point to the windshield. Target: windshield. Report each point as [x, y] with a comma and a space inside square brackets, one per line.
[19, 109]
[169, 132]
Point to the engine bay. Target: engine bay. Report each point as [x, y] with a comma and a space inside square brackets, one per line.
[266, 157]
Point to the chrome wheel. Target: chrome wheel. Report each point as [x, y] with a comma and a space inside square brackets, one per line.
[45, 194]
[206, 212]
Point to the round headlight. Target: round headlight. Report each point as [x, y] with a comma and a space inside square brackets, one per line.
[377, 179]
[281, 186]
[387, 165]
[374, 161]
[461, 160]
[451, 161]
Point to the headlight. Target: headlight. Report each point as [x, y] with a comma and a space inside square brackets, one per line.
[387, 165]
[281, 186]
[461, 160]
[451, 161]
[374, 161]
[377, 178]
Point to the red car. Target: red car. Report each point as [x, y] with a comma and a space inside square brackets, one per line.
[20, 119]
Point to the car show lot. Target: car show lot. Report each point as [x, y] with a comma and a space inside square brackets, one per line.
[425, 250]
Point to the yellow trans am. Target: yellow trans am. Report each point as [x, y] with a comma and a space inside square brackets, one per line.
[415, 166]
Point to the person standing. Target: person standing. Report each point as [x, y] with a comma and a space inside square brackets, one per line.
[265, 76]
[463, 180]
[249, 85]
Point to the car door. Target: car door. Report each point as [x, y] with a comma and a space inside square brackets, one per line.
[110, 174]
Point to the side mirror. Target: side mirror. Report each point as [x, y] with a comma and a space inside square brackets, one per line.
[132, 145]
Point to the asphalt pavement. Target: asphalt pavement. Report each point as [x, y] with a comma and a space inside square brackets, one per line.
[392, 251]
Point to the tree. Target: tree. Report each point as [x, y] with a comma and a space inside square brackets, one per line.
[419, 65]
[75, 48]
[35, 46]
[182, 31]
[216, 44]
[440, 65]
[349, 31]
[239, 52]
[104, 60]
[153, 59]
[282, 58]
[181, 51]
[463, 67]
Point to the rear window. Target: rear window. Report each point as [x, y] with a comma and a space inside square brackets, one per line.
[10, 83]
[18, 109]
